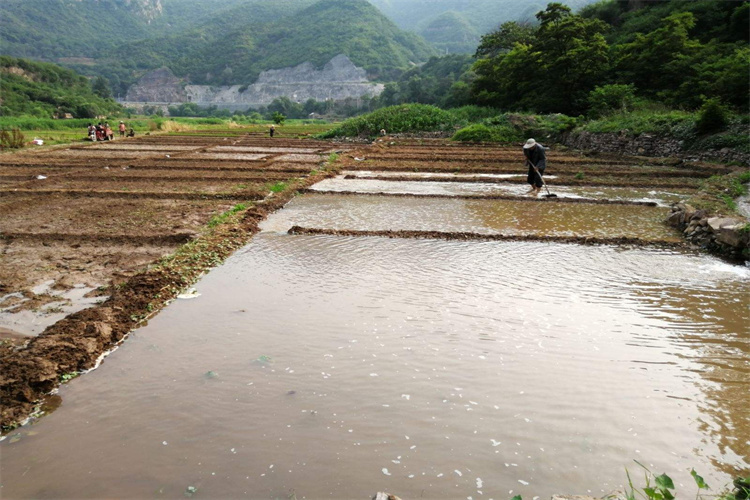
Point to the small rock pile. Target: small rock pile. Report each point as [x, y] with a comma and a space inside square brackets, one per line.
[724, 235]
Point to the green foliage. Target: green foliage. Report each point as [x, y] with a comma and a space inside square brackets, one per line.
[278, 187]
[43, 90]
[278, 118]
[395, 119]
[316, 33]
[712, 117]
[221, 218]
[674, 52]
[12, 139]
[554, 73]
[609, 98]
[441, 81]
[515, 127]
[472, 113]
[481, 133]
[451, 33]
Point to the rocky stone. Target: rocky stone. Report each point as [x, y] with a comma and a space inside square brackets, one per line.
[716, 223]
[339, 79]
[735, 235]
[160, 85]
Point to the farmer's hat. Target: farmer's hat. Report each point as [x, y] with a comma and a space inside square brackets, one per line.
[529, 144]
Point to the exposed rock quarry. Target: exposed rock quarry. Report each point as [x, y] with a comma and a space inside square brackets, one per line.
[339, 79]
[159, 85]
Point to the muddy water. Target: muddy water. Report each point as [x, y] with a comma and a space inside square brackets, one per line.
[660, 196]
[371, 212]
[337, 367]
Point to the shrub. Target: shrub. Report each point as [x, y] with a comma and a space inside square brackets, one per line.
[12, 139]
[278, 118]
[395, 119]
[482, 133]
[712, 117]
[608, 98]
[473, 114]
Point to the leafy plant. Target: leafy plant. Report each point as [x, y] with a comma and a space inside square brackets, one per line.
[278, 118]
[712, 117]
[13, 139]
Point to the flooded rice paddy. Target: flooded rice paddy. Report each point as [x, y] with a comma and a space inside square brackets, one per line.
[371, 212]
[339, 366]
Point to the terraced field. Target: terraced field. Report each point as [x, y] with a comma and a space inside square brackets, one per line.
[89, 216]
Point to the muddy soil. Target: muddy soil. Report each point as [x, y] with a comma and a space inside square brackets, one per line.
[83, 209]
[88, 230]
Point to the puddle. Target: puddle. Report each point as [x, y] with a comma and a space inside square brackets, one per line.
[23, 321]
[662, 197]
[346, 366]
[474, 216]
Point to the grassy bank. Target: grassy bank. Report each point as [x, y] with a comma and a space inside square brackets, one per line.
[67, 131]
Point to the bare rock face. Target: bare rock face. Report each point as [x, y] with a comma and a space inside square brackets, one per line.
[159, 85]
[146, 9]
[339, 79]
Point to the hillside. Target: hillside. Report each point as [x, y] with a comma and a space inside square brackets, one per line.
[49, 29]
[481, 15]
[451, 33]
[235, 49]
[44, 89]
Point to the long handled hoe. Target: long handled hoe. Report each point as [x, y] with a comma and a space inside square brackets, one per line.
[548, 195]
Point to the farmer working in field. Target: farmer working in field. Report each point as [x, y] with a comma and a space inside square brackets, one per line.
[537, 162]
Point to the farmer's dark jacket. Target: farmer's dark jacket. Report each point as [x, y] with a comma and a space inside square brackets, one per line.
[536, 156]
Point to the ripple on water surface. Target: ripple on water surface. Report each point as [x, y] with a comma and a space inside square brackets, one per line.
[663, 197]
[372, 212]
[338, 367]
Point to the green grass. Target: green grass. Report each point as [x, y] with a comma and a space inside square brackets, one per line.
[278, 187]
[221, 218]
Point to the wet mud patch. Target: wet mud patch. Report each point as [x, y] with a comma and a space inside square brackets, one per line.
[489, 196]
[365, 212]
[622, 241]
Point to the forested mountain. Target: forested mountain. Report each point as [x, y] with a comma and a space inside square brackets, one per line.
[451, 33]
[43, 89]
[234, 49]
[482, 15]
[49, 29]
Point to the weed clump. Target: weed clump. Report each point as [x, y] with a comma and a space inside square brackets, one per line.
[13, 139]
[712, 117]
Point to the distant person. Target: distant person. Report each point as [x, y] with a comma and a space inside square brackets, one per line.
[122, 129]
[108, 132]
[537, 162]
[131, 133]
[272, 130]
[91, 132]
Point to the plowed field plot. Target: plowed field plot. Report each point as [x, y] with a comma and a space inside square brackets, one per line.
[85, 215]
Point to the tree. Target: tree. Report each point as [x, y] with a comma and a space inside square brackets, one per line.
[504, 38]
[661, 59]
[101, 88]
[554, 73]
[278, 118]
[609, 98]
